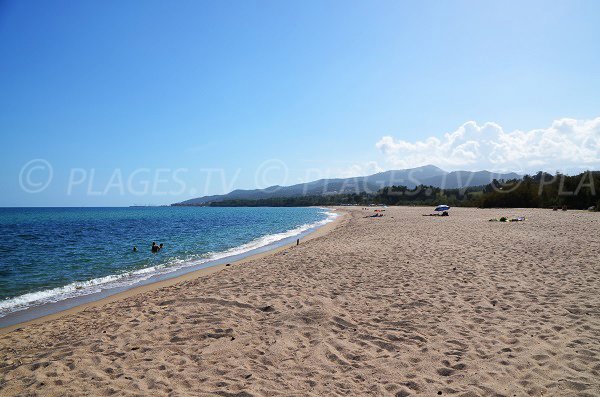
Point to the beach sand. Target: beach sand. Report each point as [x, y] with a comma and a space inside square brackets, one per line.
[400, 305]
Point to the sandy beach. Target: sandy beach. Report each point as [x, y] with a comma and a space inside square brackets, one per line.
[395, 306]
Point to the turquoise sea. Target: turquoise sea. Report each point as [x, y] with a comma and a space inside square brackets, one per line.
[48, 255]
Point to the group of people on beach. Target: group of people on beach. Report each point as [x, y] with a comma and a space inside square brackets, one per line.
[155, 247]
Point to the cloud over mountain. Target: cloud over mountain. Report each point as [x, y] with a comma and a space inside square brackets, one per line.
[568, 144]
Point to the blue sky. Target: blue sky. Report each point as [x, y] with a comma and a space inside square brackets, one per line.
[194, 98]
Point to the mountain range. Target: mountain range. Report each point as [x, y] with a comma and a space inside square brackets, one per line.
[429, 175]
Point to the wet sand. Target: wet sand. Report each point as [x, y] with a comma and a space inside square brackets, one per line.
[400, 305]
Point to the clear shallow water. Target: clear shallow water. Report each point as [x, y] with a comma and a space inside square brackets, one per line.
[52, 254]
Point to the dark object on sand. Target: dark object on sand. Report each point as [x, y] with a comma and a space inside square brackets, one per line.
[445, 213]
[564, 207]
[298, 242]
[505, 219]
[267, 309]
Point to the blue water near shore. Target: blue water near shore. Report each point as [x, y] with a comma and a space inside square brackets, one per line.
[52, 254]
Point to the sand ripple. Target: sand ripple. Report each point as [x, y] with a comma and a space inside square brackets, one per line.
[401, 305]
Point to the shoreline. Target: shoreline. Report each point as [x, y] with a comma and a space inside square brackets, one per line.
[398, 305]
[267, 250]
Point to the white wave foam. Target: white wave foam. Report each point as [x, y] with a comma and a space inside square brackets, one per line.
[82, 288]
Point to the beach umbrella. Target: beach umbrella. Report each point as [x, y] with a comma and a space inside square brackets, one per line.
[442, 207]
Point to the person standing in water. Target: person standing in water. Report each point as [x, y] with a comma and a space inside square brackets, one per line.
[154, 248]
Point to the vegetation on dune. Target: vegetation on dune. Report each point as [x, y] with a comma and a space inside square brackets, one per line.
[545, 190]
[541, 190]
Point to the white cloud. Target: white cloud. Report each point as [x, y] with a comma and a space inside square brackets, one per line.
[566, 144]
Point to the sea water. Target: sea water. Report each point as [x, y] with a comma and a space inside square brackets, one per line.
[48, 255]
